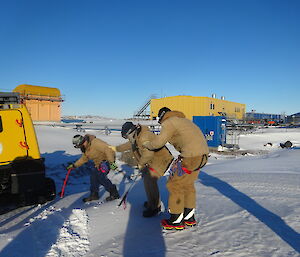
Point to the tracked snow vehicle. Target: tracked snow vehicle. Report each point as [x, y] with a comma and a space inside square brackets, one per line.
[22, 170]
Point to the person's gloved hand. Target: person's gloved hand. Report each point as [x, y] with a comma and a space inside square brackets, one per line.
[112, 148]
[70, 166]
[113, 166]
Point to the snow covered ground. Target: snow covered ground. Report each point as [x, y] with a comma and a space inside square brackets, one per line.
[247, 205]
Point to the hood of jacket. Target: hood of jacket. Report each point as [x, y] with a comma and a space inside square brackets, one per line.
[172, 114]
[89, 139]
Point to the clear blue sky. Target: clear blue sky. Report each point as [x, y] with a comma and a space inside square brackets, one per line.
[108, 57]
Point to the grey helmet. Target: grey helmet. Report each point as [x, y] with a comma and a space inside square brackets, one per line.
[78, 140]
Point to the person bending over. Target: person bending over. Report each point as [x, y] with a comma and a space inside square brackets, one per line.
[152, 164]
[95, 149]
[190, 142]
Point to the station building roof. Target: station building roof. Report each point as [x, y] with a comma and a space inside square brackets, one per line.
[25, 89]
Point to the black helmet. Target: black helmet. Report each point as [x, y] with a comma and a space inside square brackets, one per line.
[127, 128]
[162, 111]
[78, 140]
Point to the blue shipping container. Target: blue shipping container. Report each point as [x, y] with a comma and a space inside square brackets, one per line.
[213, 128]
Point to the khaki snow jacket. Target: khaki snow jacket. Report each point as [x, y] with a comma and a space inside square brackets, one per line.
[97, 151]
[183, 134]
[158, 160]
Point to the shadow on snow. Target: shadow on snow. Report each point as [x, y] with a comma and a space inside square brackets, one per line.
[273, 221]
[38, 235]
[143, 236]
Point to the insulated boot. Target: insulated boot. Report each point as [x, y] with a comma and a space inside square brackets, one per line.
[114, 194]
[93, 196]
[151, 212]
[174, 222]
[189, 217]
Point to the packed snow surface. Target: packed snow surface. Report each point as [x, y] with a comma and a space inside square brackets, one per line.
[247, 205]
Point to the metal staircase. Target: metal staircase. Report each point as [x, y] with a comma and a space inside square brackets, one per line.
[144, 112]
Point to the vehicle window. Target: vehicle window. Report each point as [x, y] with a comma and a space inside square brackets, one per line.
[1, 128]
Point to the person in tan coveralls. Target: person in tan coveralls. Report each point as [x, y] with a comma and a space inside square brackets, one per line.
[98, 151]
[187, 139]
[152, 164]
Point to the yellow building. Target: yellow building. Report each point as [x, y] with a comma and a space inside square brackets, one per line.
[199, 106]
[43, 103]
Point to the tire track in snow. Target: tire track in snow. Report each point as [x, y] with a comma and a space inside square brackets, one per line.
[73, 239]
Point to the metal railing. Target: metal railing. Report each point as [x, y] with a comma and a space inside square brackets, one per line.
[142, 112]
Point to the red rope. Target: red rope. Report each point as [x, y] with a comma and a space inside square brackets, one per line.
[65, 183]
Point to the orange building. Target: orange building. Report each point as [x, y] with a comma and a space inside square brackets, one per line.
[43, 103]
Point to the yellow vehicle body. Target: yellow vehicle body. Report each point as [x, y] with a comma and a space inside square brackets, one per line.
[17, 135]
[22, 170]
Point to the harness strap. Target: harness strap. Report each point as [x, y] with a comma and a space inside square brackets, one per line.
[153, 170]
[186, 170]
[169, 165]
[202, 163]
[104, 166]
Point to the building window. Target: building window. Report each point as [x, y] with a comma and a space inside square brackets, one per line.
[1, 127]
[212, 106]
[237, 109]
